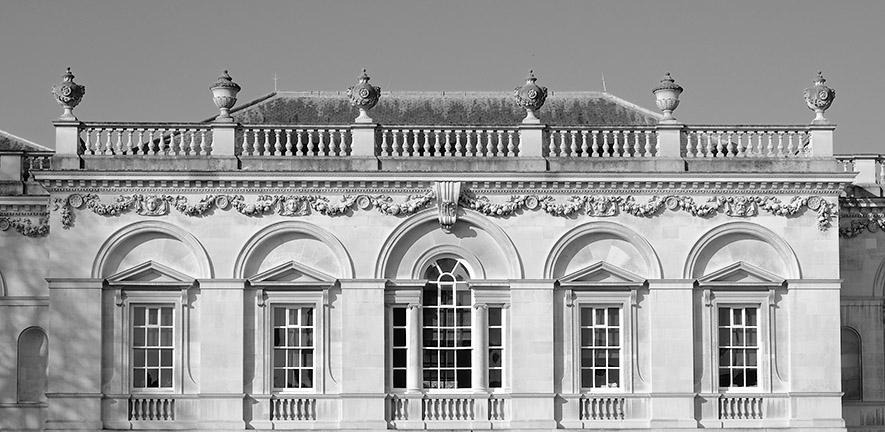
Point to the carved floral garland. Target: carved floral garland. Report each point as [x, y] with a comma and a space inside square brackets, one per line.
[739, 206]
[284, 205]
[591, 205]
[25, 226]
[856, 227]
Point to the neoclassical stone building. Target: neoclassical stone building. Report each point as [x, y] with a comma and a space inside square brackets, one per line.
[525, 260]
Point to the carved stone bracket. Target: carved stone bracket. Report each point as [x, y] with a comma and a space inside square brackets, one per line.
[448, 195]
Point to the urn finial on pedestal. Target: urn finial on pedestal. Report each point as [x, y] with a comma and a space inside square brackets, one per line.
[819, 97]
[224, 94]
[667, 97]
[68, 94]
[530, 96]
[364, 96]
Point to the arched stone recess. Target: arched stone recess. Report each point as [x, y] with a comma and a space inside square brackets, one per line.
[33, 354]
[308, 245]
[484, 246]
[741, 242]
[605, 242]
[152, 241]
[878, 288]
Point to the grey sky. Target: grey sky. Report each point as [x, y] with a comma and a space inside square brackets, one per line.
[739, 61]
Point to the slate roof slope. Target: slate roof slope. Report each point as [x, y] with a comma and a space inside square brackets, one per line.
[443, 108]
[12, 143]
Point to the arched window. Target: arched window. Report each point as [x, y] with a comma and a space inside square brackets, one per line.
[447, 319]
[33, 350]
[852, 381]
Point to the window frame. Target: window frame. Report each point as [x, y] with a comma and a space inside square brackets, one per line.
[314, 327]
[623, 299]
[471, 292]
[132, 299]
[272, 299]
[743, 298]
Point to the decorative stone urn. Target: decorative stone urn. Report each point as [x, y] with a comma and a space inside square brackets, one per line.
[224, 94]
[364, 96]
[819, 97]
[667, 97]
[68, 94]
[531, 97]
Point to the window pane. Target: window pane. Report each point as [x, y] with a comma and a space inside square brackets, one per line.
[166, 337]
[399, 337]
[751, 378]
[431, 358]
[737, 316]
[724, 377]
[293, 358]
[464, 378]
[429, 296]
[463, 297]
[447, 358]
[494, 316]
[138, 378]
[587, 378]
[399, 357]
[737, 377]
[463, 358]
[166, 358]
[598, 337]
[293, 378]
[495, 337]
[138, 316]
[464, 338]
[153, 378]
[586, 337]
[138, 337]
[279, 337]
[166, 317]
[399, 378]
[724, 314]
[614, 379]
[399, 317]
[153, 337]
[139, 358]
[600, 317]
[751, 337]
[279, 378]
[751, 357]
[614, 337]
[292, 338]
[613, 314]
[293, 317]
[724, 336]
[599, 378]
[751, 317]
[724, 357]
[153, 358]
[307, 337]
[152, 316]
[586, 317]
[464, 317]
[279, 317]
[307, 358]
[495, 378]
[306, 378]
[166, 378]
[307, 316]
[599, 358]
[279, 358]
[737, 357]
[614, 358]
[495, 358]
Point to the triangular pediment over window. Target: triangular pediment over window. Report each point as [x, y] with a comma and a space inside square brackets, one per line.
[292, 273]
[741, 274]
[602, 274]
[150, 273]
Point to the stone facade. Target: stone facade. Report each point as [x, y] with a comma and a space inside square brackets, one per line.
[620, 271]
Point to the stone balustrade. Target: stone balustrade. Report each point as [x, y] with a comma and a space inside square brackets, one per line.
[870, 168]
[602, 142]
[455, 410]
[602, 407]
[298, 141]
[293, 408]
[748, 141]
[566, 147]
[741, 407]
[151, 408]
[169, 139]
[436, 141]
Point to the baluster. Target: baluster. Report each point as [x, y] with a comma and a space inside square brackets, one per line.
[124, 147]
[690, 149]
[791, 150]
[574, 146]
[551, 148]
[287, 149]
[584, 147]
[459, 147]
[471, 148]
[90, 144]
[649, 151]
[638, 149]
[563, 144]
[312, 147]
[501, 146]
[617, 145]
[594, 149]
[425, 134]
[511, 146]
[437, 145]
[605, 146]
[738, 151]
[447, 148]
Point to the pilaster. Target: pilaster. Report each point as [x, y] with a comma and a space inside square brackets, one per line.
[363, 364]
[671, 328]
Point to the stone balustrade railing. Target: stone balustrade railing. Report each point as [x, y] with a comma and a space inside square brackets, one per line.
[566, 144]
[151, 408]
[604, 142]
[741, 407]
[287, 140]
[447, 408]
[293, 408]
[748, 141]
[170, 139]
[446, 141]
[602, 407]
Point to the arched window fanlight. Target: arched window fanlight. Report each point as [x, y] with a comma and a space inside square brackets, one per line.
[852, 381]
[447, 316]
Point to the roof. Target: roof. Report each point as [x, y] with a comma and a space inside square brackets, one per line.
[443, 108]
[10, 142]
